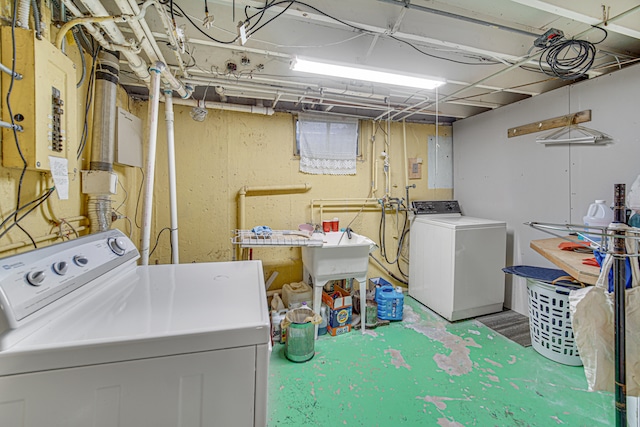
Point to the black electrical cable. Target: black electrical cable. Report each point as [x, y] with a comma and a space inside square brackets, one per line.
[74, 32]
[88, 100]
[26, 205]
[158, 241]
[17, 220]
[267, 6]
[135, 215]
[15, 131]
[569, 59]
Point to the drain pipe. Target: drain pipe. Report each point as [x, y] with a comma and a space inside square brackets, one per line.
[151, 132]
[97, 181]
[173, 203]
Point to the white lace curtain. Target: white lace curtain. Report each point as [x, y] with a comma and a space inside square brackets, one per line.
[328, 145]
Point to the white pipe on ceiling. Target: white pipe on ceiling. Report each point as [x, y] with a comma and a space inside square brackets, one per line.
[171, 157]
[151, 137]
[255, 109]
[148, 43]
[137, 64]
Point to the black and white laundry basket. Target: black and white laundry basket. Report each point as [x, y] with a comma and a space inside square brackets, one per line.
[549, 316]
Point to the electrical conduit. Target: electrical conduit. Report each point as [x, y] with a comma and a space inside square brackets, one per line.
[151, 133]
[173, 202]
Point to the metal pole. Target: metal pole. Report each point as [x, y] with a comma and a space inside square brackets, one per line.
[619, 283]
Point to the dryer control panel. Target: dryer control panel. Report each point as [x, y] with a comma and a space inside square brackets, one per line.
[34, 285]
[436, 207]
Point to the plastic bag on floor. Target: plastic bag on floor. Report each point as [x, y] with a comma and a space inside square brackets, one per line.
[592, 319]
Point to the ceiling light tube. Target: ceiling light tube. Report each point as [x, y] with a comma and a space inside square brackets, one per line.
[366, 74]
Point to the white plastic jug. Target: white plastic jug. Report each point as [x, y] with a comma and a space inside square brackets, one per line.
[599, 215]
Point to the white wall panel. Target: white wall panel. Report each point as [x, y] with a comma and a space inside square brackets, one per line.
[519, 180]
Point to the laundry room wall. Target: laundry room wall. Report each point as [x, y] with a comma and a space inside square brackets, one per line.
[216, 158]
[519, 180]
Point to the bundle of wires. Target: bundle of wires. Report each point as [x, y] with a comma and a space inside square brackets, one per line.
[568, 59]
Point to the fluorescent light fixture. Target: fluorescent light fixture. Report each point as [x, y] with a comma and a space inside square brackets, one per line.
[366, 74]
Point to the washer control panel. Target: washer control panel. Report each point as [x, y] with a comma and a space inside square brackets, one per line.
[436, 207]
[40, 279]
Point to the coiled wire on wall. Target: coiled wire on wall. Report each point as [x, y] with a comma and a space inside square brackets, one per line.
[569, 59]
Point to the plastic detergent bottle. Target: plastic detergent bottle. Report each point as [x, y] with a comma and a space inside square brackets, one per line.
[599, 215]
[390, 302]
[322, 328]
[276, 303]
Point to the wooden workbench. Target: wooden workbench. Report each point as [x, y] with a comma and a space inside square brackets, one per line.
[569, 261]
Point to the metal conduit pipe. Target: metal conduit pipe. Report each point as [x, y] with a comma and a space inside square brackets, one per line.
[151, 137]
[103, 140]
[409, 5]
[138, 66]
[171, 157]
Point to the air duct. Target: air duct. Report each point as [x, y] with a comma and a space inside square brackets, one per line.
[99, 182]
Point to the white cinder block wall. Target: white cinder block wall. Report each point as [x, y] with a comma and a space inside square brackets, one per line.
[520, 180]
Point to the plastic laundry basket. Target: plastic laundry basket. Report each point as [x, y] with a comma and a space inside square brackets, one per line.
[550, 323]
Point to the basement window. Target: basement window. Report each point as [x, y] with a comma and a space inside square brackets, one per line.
[327, 145]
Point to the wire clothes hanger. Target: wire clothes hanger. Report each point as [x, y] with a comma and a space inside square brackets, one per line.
[574, 134]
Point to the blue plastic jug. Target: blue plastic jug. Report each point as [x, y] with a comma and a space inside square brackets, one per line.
[390, 303]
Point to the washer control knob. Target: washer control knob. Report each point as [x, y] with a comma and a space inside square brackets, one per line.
[80, 260]
[118, 245]
[60, 267]
[35, 278]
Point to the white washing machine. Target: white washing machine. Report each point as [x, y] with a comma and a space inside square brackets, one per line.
[87, 338]
[456, 261]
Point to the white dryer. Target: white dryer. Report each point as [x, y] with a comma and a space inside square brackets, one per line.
[456, 261]
[87, 338]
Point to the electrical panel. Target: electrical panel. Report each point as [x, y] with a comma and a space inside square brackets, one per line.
[43, 102]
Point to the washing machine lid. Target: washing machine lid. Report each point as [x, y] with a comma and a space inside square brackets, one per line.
[459, 222]
[154, 311]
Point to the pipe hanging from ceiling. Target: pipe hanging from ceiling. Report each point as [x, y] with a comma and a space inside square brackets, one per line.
[171, 157]
[151, 138]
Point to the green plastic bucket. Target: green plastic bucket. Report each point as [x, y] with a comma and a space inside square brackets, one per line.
[300, 344]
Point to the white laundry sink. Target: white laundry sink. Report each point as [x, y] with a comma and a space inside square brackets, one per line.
[339, 257]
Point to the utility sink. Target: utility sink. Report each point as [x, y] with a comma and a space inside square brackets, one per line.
[339, 257]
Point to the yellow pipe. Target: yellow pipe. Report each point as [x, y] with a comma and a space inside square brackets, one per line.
[337, 203]
[404, 154]
[374, 161]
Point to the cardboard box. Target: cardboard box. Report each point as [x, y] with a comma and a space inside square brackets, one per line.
[373, 282]
[339, 330]
[340, 307]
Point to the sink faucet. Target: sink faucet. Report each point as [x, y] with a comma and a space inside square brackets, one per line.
[348, 230]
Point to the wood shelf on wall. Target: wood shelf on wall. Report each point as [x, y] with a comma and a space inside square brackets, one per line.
[554, 123]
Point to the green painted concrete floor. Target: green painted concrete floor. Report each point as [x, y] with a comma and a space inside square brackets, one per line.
[425, 371]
